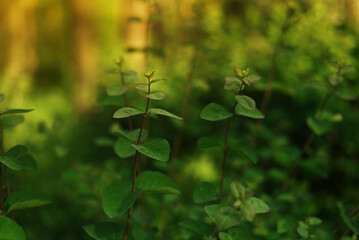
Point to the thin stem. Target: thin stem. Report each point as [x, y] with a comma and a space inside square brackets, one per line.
[225, 151]
[355, 210]
[309, 139]
[145, 116]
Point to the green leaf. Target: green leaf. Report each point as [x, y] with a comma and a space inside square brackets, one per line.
[248, 211]
[245, 152]
[246, 102]
[132, 135]
[225, 236]
[15, 111]
[240, 234]
[104, 142]
[123, 147]
[156, 96]
[258, 205]
[302, 232]
[158, 111]
[17, 158]
[150, 181]
[2, 97]
[206, 142]
[116, 90]
[105, 231]
[127, 112]
[252, 79]
[142, 89]
[12, 121]
[21, 200]
[227, 217]
[129, 76]
[195, 226]
[157, 80]
[117, 199]
[237, 190]
[211, 210]
[318, 128]
[214, 112]
[205, 192]
[10, 230]
[285, 225]
[232, 84]
[156, 148]
[354, 226]
[345, 94]
[314, 221]
[256, 114]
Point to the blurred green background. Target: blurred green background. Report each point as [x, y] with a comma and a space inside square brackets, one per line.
[57, 56]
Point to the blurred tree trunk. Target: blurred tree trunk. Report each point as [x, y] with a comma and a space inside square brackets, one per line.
[84, 53]
[18, 43]
[352, 12]
[136, 32]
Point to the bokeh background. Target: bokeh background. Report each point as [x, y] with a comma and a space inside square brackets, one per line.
[57, 58]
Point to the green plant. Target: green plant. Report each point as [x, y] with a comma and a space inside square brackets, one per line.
[17, 158]
[119, 198]
[322, 122]
[241, 205]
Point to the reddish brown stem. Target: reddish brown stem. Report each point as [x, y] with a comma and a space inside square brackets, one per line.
[225, 151]
[145, 116]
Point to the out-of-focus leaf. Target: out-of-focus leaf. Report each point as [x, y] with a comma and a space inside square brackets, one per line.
[104, 142]
[214, 112]
[227, 217]
[195, 226]
[232, 84]
[252, 79]
[2, 97]
[156, 96]
[205, 192]
[15, 111]
[21, 200]
[126, 112]
[11, 121]
[129, 76]
[354, 226]
[345, 94]
[123, 147]
[211, 210]
[237, 190]
[116, 89]
[18, 158]
[105, 231]
[244, 152]
[318, 128]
